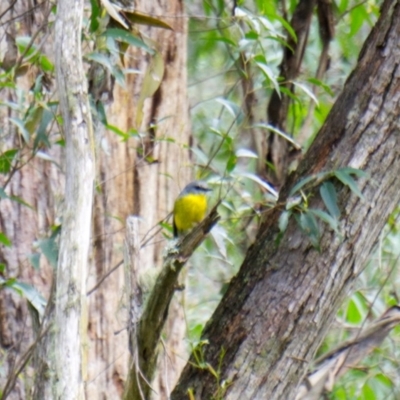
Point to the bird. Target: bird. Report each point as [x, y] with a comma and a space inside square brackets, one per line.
[190, 207]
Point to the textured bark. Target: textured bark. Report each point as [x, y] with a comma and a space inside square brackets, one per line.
[280, 305]
[72, 269]
[146, 334]
[127, 183]
[39, 183]
[133, 184]
[64, 347]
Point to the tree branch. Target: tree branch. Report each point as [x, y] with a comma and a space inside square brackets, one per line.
[147, 335]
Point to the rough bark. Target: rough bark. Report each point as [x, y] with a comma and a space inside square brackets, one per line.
[130, 183]
[279, 306]
[70, 318]
[127, 183]
[39, 183]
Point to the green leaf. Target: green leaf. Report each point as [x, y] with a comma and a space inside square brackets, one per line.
[287, 26]
[261, 182]
[231, 164]
[31, 294]
[284, 220]
[124, 36]
[49, 248]
[22, 43]
[280, 133]
[332, 222]
[359, 173]
[2, 268]
[322, 85]
[151, 82]
[117, 131]
[270, 75]
[143, 19]
[46, 65]
[6, 160]
[34, 117]
[3, 194]
[347, 180]
[35, 260]
[5, 240]
[21, 127]
[301, 184]
[356, 309]
[367, 393]
[20, 201]
[94, 16]
[309, 225]
[232, 108]
[307, 91]
[246, 153]
[329, 196]
[41, 132]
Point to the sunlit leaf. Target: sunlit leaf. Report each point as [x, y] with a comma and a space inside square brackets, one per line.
[114, 11]
[280, 133]
[245, 153]
[262, 183]
[270, 75]
[307, 91]
[284, 220]
[143, 19]
[322, 85]
[5, 240]
[6, 160]
[287, 26]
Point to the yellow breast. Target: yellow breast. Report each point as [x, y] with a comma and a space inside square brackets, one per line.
[189, 210]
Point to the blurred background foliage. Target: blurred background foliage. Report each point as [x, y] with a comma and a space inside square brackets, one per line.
[224, 51]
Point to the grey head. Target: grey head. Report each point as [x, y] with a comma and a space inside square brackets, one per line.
[195, 187]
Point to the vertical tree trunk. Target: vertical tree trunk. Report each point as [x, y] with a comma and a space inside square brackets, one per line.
[278, 308]
[140, 176]
[70, 289]
[39, 183]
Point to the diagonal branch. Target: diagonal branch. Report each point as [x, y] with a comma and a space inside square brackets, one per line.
[152, 321]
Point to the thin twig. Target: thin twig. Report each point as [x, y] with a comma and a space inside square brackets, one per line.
[104, 277]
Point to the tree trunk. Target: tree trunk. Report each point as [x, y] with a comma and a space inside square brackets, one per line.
[280, 305]
[39, 183]
[141, 177]
[129, 181]
[72, 270]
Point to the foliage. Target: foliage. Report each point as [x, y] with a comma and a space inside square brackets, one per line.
[233, 64]
[224, 52]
